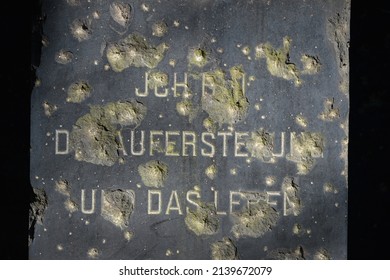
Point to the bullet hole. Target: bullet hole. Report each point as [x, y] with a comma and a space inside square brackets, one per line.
[311, 65]
[63, 57]
[93, 253]
[211, 171]
[197, 57]
[49, 109]
[121, 13]
[331, 112]
[301, 121]
[159, 29]
[81, 29]
[78, 92]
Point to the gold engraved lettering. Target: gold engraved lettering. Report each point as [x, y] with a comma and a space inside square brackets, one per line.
[186, 142]
[224, 143]
[171, 145]
[204, 152]
[152, 193]
[173, 206]
[92, 207]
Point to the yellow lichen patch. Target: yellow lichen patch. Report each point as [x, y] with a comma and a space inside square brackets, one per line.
[254, 220]
[49, 109]
[94, 136]
[211, 171]
[117, 207]
[301, 121]
[71, 206]
[278, 62]
[330, 112]
[153, 173]
[159, 29]
[121, 13]
[311, 65]
[293, 201]
[63, 57]
[197, 57]
[305, 148]
[203, 220]
[78, 92]
[227, 102]
[260, 145]
[81, 29]
[134, 50]
[224, 250]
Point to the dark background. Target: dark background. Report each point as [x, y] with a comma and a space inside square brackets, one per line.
[369, 174]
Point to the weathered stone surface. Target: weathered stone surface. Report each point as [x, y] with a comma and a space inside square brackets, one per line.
[209, 129]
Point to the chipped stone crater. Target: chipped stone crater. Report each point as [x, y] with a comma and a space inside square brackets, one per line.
[227, 102]
[224, 249]
[94, 137]
[203, 220]
[254, 220]
[121, 13]
[118, 205]
[287, 254]
[153, 173]
[306, 147]
[63, 57]
[261, 145]
[134, 50]
[78, 92]
[37, 208]
[81, 29]
[291, 191]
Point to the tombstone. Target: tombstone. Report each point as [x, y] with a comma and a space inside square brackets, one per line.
[191, 130]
